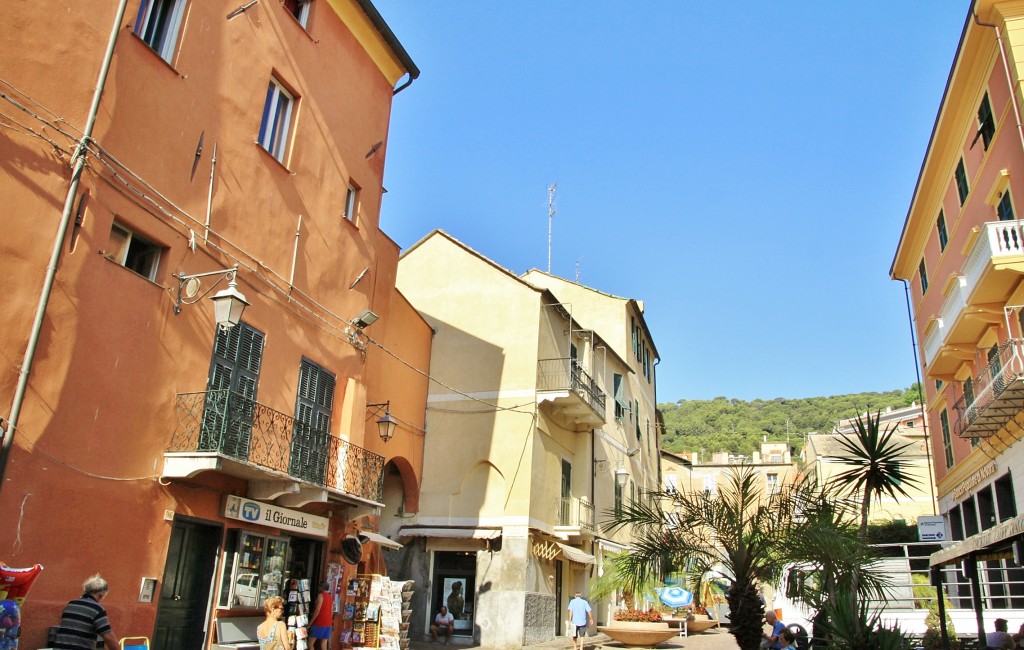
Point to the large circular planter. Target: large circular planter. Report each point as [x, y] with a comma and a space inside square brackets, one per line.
[629, 633]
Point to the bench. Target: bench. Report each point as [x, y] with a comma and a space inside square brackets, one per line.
[237, 633]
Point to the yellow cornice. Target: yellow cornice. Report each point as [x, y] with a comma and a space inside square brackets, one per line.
[353, 16]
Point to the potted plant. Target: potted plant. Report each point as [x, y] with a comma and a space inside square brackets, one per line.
[634, 627]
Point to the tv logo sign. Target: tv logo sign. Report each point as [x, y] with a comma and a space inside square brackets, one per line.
[251, 511]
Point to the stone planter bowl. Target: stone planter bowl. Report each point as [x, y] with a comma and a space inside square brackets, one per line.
[630, 633]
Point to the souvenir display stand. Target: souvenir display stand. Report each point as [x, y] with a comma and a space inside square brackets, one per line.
[376, 613]
[296, 610]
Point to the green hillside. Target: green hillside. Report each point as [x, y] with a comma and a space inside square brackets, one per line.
[738, 426]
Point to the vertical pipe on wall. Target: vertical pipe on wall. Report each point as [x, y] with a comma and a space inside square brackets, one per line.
[58, 243]
[209, 194]
[295, 255]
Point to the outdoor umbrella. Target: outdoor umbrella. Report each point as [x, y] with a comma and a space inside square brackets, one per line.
[675, 596]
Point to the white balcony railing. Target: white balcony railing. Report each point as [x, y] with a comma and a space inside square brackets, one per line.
[998, 239]
[933, 342]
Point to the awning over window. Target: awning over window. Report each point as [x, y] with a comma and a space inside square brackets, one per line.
[366, 535]
[452, 533]
[988, 540]
[575, 555]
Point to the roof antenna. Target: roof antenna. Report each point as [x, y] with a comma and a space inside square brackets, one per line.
[551, 214]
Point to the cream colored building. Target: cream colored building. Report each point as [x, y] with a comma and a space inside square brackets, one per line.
[684, 472]
[541, 405]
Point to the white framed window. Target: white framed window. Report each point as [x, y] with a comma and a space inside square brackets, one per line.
[350, 202]
[276, 122]
[133, 252]
[158, 24]
[300, 10]
[772, 483]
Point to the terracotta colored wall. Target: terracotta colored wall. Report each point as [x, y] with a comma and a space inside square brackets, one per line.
[81, 492]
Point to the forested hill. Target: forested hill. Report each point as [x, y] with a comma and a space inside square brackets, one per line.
[737, 426]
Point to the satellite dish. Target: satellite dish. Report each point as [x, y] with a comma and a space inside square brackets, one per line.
[351, 549]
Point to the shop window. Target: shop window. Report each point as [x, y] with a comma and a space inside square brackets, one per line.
[970, 511]
[257, 566]
[1006, 503]
[956, 524]
[133, 252]
[986, 508]
[158, 24]
[311, 437]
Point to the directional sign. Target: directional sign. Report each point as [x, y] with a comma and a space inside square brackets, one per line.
[931, 529]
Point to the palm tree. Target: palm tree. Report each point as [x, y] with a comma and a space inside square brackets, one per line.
[737, 533]
[877, 466]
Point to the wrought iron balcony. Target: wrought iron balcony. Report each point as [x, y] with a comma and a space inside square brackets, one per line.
[996, 394]
[574, 512]
[227, 424]
[578, 400]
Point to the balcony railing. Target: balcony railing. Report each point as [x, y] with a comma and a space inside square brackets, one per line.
[998, 239]
[575, 512]
[227, 423]
[996, 392]
[567, 374]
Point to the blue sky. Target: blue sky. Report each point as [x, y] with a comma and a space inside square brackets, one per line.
[744, 168]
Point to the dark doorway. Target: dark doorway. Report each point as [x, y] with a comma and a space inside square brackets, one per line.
[455, 588]
[558, 598]
[185, 593]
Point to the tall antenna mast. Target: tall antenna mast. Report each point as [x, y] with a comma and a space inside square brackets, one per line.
[551, 214]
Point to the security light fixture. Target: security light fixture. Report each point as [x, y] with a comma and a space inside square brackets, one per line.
[365, 319]
[228, 304]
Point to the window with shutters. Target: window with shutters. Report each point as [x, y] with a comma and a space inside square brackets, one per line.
[313, 406]
[986, 122]
[940, 225]
[158, 24]
[1005, 208]
[962, 189]
[621, 405]
[231, 390]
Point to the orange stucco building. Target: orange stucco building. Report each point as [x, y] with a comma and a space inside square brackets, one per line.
[149, 140]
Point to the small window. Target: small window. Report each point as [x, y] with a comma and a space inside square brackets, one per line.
[1005, 208]
[277, 116]
[940, 225]
[923, 272]
[961, 182]
[350, 203]
[986, 123]
[947, 441]
[133, 252]
[621, 406]
[158, 23]
[300, 10]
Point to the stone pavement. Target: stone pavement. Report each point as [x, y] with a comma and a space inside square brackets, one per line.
[713, 639]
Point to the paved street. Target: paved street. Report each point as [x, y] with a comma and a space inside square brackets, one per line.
[714, 639]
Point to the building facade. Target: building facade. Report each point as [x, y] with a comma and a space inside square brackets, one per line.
[961, 251]
[541, 409]
[158, 153]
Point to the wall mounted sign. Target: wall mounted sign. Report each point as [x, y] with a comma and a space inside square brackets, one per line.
[973, 480]
[267, 514]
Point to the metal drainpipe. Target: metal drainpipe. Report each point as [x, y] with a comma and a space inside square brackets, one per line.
[58, 245]
[1006, 71]
[920, 397]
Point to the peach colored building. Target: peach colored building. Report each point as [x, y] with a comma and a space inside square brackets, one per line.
[961, 251]
[199, 469]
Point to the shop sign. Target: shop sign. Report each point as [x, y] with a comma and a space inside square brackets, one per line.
[931, 529]
[973, 480]
[267, 514]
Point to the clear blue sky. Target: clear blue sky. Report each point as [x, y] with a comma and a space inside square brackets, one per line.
[744, 168]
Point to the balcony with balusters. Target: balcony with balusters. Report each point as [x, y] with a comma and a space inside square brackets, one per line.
[575, 516]
[224, 431]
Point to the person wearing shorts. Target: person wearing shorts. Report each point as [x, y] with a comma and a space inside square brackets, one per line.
[322, 618]
[580, 616]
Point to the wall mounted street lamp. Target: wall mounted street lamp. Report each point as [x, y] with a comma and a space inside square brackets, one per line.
[365, 319]
[621, 473]
[386, 424]
[228, 304]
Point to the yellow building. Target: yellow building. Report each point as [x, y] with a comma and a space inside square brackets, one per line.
[540, 420]
[961, 251]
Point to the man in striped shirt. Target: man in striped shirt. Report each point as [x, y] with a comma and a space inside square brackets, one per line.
[84, 619]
